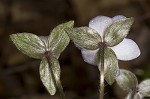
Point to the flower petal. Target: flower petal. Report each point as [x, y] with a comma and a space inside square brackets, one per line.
[118, 18]
[100, 23]
[89, 56]
[118, 72]
[126, 50]
[44, 39]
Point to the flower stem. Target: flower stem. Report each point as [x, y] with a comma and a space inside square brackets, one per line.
[57, 82]
[102, 71]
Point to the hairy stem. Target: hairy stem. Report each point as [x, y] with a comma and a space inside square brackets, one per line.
[57, 82]
[102, 71]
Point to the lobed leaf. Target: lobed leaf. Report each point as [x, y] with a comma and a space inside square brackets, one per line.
[85, 37]
[110, 64]
[127, 80]
[117, 31]
[58, 39]
[46, 74]
[29, 44]
[144, 88]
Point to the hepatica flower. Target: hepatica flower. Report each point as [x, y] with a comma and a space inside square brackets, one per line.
[108, 34]
[48, 49]
[128, 82]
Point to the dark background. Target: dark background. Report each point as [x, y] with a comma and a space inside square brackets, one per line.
[19, 75]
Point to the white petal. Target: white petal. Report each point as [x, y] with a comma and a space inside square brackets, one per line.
[118, 72]
[100, 23]
[44, 38]
[89, 56]
[126, 50]
[118, 17]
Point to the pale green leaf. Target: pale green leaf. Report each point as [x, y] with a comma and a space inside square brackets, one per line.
[110, 64]
[46, 74]
[85, 37]
[117, 31]
[29, 44]
[58, 39]
[144, 88]
[127, 80]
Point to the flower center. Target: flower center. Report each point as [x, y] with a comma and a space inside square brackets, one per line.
[48, 54]
[103, 45]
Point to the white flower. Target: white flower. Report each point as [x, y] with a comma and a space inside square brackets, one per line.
[125, 50]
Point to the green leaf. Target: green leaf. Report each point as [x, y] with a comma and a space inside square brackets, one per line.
[117, 31]
[110, 64]
[127, 80]
[29, 44]
[85, 37]
[144, 88]
[58, 39]
[46, 74]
